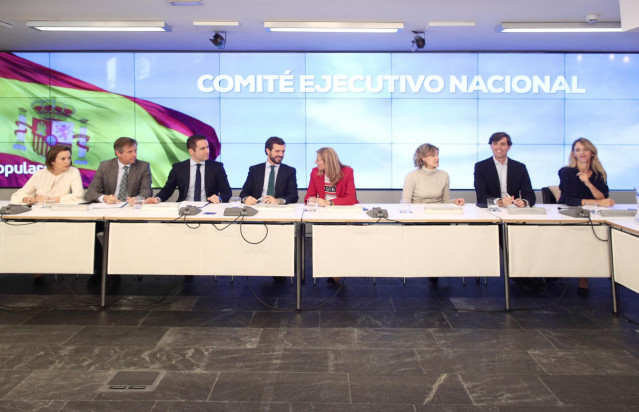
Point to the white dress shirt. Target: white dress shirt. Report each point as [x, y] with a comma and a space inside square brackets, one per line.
[190, 194]
[502, 172]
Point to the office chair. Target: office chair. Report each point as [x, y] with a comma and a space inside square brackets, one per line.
[550, 194]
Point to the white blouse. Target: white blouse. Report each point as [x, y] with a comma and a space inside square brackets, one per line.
[67, 186]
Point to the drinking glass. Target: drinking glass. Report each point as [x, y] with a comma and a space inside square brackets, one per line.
[493, 205]
[235, 201]
[49, 201]
[311, 204]
[404, 206]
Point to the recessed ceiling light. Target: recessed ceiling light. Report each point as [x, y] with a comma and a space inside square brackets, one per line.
[88, 25]
[553, 27]
[451, 23]
[332, 27]
[186, 3]
[211, 25]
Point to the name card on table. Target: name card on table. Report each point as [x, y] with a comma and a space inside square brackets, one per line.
[443, 208]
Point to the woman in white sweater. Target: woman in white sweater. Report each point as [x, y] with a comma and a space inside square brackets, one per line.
[59, 181]
[428, 184]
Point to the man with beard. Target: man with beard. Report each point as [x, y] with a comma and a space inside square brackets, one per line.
[272, 182]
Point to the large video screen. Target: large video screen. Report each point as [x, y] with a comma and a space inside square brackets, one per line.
[374, 109]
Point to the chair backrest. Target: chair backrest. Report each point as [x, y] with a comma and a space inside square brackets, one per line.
[550, 194]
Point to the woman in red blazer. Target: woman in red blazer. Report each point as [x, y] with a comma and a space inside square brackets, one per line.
[331, 182]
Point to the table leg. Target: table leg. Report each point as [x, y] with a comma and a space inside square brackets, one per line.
[105, 254]
[299, 263]
[504, 260]
[615, 309]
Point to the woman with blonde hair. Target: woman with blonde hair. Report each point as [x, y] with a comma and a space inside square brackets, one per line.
[428, 184]
[58, 181]
[331, 182]
[583, 182]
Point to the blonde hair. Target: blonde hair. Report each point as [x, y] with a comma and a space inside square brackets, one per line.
[421, 152]
[595, 164]
[332, 165]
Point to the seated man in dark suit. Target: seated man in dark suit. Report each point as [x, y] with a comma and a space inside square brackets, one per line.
[501, 177]
[272, 182]
[122, 178]
[506, 179]
[198, 178]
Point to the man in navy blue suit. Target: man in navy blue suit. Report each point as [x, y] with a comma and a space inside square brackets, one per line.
[501, 177]
[198, 178]
[271, 182]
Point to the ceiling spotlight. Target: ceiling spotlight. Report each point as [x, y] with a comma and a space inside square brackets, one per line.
[419, 40]
[219, 39]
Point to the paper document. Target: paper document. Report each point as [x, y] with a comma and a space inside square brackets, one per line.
[514, 210]
[93, 206]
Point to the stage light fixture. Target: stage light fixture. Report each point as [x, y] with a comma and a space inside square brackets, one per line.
[419, 40]
[219, 39]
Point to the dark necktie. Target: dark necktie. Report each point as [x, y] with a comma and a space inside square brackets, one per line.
[123, 183]
[197, 196]
[270, 189]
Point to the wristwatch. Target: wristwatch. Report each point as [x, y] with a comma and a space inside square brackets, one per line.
[330, 202]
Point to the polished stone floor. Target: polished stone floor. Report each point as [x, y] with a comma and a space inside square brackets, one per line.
[212, 344]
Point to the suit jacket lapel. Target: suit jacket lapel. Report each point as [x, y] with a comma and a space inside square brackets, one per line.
[184, 176]
[494, 176]
[279, 181]
[112, 177]
[133, 168]
[209, 177]
[260, 179]
[510, 178]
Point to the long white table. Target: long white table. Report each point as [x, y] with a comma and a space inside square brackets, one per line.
[625, 248]
[346, 242]
[556, 245]
[350, 243]
[47, 241]
[156, 241]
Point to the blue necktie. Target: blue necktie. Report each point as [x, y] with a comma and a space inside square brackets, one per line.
[197, 196]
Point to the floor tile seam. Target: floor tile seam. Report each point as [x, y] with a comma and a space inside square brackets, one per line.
[4, 397]
[141, 321]
[559, 402]
[447, 320]
[419, 360]
[250, 322]
[208, 398]
[76, 333]
[546, 338]
[465, 386]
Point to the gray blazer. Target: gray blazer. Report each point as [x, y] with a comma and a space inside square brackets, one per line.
[106, 179]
